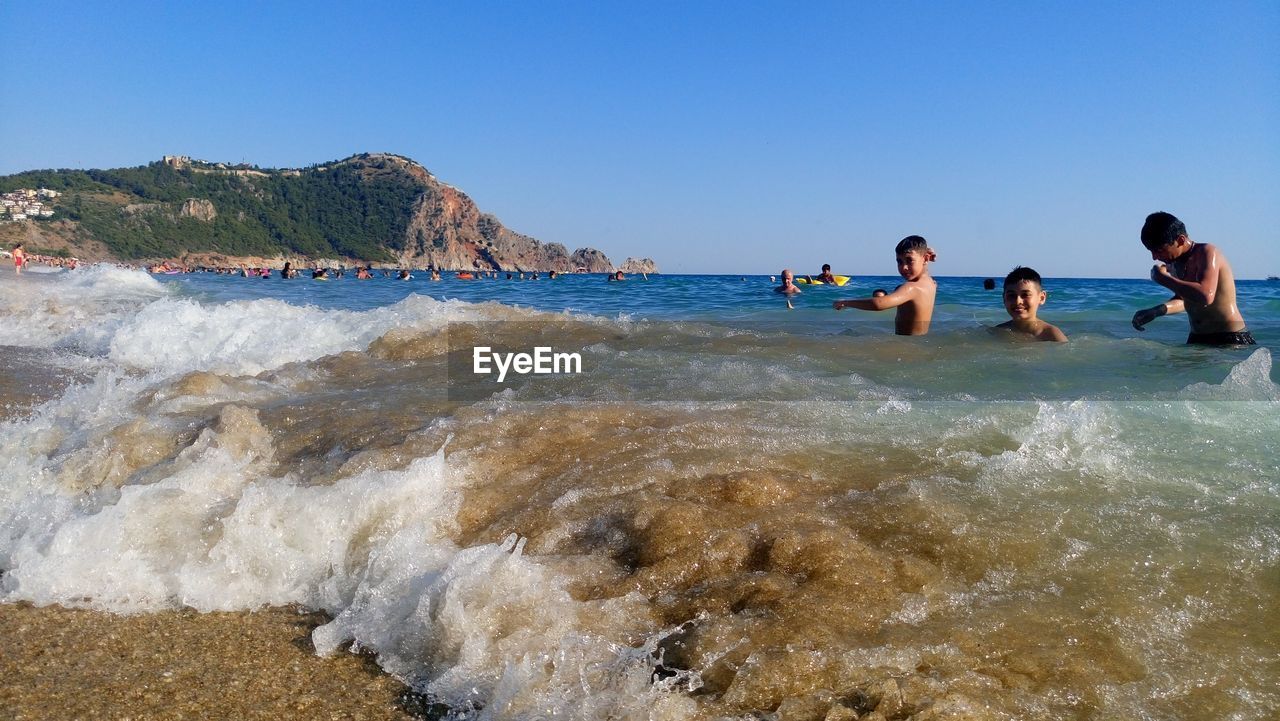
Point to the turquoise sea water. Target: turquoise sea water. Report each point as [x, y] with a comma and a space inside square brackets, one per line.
[958, 352]
[724, 297]
[736, 510]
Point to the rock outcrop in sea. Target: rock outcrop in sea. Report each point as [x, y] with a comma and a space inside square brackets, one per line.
[638, 265]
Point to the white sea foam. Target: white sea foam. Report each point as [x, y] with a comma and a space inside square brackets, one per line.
[143, 325]
[478, 628]
[483, 628]
[1249, 380]
[78, 310]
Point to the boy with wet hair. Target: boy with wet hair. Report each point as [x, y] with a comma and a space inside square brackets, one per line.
[1023, 296]
[1201, 280]
[914, 298]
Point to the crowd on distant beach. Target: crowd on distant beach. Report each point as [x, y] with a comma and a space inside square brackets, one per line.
[367, 272]
[21, 258]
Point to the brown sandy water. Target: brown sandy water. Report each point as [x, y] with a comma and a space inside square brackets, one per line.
[680, 560]
[61, 663]
[28, 378]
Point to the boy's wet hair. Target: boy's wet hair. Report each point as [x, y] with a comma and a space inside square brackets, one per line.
[1021, 273]
[1161, 229]
[912, 243]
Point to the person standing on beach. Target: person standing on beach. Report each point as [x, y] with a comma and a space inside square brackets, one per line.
[1201, 280]
[19, 258]
[914, 298]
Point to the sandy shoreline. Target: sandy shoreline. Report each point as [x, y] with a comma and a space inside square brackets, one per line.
[61, 663]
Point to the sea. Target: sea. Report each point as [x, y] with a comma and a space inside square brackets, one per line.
[717, 507]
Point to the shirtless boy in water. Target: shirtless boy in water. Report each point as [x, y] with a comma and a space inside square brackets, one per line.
[914, 298]
[826, 276]
[1201, 280]
[1023, 296]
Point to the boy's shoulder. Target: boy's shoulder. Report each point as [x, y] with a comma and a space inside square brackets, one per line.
[1045, 331]
[1049, 331]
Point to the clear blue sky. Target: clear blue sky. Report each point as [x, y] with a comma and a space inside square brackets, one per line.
[714, 137]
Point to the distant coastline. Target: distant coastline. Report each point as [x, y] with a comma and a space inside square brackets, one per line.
[374, 209]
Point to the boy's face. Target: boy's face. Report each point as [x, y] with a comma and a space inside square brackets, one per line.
[1172, 251]
[911, 264]
[1023, 299]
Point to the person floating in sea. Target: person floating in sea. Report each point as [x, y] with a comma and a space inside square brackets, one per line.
[989, 284]
[1023, 296]
[824, 277]
[1201, 280]
[788, 286]
[19, 258]
[617, 276]
[404, 275]
[914, 298]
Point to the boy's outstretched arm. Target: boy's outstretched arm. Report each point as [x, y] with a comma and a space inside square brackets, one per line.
[1199, 290]
[899, 296]
[1146, 315]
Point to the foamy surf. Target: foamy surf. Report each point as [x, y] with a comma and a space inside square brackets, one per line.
[645, 543]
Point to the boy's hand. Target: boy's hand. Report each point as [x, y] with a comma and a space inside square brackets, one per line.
[838, 305]
[1159, 270]
[1146, 315]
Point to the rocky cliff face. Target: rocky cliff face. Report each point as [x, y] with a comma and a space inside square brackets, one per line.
[638, 265]
[590, 260]
[199, 209]
[449, 231]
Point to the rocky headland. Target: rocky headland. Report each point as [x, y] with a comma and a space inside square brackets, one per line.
[374, 208]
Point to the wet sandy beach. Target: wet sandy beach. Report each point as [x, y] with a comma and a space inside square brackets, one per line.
[60, 663]
[70, 664]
